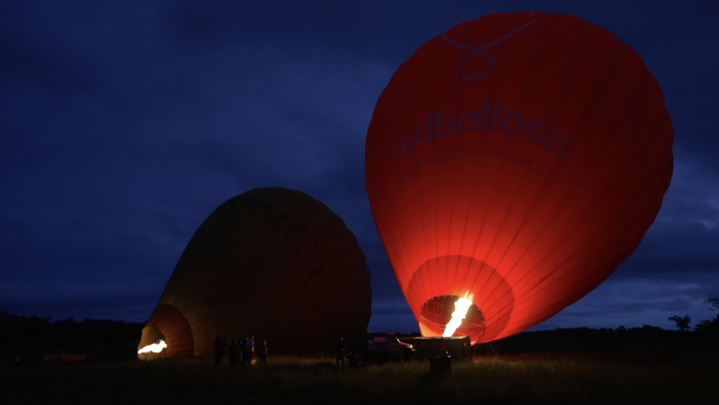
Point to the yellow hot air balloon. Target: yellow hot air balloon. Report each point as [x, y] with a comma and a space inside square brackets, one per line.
[273, 263]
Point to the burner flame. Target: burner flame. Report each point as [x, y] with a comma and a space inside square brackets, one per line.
[460, 311]
[154, 348]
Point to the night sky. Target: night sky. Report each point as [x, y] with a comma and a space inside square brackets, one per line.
[123, 125]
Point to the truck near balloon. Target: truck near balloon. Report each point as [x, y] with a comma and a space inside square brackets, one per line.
[512, 163]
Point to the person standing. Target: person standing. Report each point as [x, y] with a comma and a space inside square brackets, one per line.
[262, 352]
[340, 352]
[220, 344]
[242, 350]
[250, 349]
[235, 352]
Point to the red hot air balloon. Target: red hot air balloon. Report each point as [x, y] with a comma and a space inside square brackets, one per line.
[514, 162]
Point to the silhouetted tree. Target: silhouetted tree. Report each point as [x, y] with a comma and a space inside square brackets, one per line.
[708, 329]
[682, 322]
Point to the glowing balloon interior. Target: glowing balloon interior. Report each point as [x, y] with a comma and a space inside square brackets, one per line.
[517, 159]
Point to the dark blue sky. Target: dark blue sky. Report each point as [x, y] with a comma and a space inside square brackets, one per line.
[124, 124]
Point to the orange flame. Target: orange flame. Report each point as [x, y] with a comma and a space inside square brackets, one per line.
[460, 311]
[154, 348]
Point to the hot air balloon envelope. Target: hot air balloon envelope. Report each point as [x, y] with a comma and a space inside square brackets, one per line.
[273, 263]
[515, 161]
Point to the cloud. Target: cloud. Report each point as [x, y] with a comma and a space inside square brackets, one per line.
[681, 243]
[634, 303]
[121, 306]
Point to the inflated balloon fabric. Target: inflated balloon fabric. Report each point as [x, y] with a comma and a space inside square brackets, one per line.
[273, 263]
[515, 160]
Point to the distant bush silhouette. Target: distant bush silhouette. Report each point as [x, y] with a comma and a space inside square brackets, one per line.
[708, 330]
[681, 321]
[708, 325]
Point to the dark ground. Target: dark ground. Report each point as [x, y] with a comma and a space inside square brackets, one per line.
[581, 365]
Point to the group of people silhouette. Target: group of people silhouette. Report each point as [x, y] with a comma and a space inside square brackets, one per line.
[241, 351]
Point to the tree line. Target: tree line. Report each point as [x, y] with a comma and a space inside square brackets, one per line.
[18, 332]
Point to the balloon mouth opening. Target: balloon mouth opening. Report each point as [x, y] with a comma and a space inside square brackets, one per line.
[442, 313]
[152, 344]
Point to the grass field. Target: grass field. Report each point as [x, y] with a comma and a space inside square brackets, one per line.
[529, 378]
